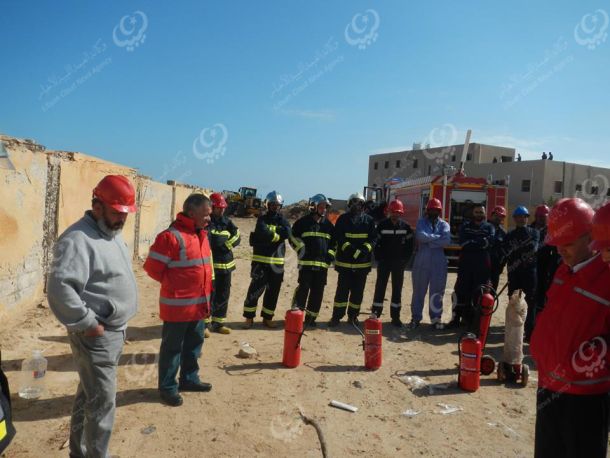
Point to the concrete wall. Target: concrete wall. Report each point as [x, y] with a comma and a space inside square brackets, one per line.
[47, 192]
[22, 213]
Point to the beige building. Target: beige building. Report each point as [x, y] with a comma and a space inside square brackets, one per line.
[530, 182]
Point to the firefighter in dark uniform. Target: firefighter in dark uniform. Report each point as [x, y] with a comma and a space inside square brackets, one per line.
[267, 272]
[496, 252]
[571, 340]
[474, 269]
[223, 236]
[521, 245]
[547, 258]
[393, 250]
[355, 235]
[312, 238]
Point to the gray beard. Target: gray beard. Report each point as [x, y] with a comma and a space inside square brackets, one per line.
[106, 230]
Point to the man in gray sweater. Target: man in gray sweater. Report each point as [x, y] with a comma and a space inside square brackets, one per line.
[92, 292]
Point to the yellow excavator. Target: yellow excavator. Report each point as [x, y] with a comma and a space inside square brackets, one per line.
[244, 202]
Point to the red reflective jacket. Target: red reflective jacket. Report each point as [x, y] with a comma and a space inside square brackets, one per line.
[570, 340]
[181, 260]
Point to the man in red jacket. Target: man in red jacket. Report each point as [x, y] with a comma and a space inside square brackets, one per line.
[570, 342]
[180, 259]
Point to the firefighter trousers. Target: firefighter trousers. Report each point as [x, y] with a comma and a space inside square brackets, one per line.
[310, 290]
[350, 290]
[220, 296]
[265, 278]
[384, 269]
[571, 425]
[474, 270]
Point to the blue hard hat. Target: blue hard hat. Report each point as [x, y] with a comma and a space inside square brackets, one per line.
[521, 211]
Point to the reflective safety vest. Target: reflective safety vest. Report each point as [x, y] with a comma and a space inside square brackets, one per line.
[571, 339]
[181, 260]
[268, 240]
[224, 236]
[355, 240]
[314, 243]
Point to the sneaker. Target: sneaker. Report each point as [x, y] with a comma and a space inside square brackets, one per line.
[333, 323]
[413, 324]
[171, 399]
[221, 329]
[248, 323]
[269, 323]
[195, 386]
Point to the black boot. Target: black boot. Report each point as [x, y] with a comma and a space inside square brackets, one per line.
[377, 309]
[395, 315]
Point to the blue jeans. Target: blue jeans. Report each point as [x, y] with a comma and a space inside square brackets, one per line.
[181, 344]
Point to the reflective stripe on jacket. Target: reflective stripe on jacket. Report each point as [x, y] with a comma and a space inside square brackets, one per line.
[181, 260]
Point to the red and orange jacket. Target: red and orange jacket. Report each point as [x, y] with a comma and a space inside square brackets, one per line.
[571, 340]
[181, 260]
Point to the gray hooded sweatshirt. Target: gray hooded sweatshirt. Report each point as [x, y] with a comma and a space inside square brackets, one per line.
[91, 280]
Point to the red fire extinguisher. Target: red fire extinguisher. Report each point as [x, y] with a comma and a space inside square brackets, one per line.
[372, 343]
[469, 348]
[293, 330]
[487, 309]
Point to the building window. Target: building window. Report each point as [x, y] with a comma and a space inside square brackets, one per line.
[558, 187]
[453, 158]
[594, 190]
[578, 187]
[525, 186]
[414, 163]
[429, 169]
[468, 157]
[376, 166]
[398, 164]
[386, 164]
[608, 192]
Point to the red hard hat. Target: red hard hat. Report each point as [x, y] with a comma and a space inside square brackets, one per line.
[569, 219]
[117, 192]
[396, 206]
[601, 228]
[542, 210]
[434, 204]
[218, 200]
[499, 210]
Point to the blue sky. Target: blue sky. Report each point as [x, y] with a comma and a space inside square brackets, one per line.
[294, 95]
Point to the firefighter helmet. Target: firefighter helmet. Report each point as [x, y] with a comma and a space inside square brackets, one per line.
[499, 210]
[396, 206]
[542, 210]
[601, 228]
[355, 197]
[274, 198]
[569, 219]
[218, 200]
[434, 204]
[117, 192]
[319, 199]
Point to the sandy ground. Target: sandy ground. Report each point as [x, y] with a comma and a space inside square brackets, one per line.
[253, 407]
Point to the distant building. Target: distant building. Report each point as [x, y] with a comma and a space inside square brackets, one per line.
[530, 182]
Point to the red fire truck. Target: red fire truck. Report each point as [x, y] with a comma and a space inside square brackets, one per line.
[457, 193]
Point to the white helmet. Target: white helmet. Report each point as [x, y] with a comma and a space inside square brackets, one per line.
[274, 198]
[355, 197]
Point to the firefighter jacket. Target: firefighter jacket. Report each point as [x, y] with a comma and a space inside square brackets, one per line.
[394, 242]
[224, 236]
[571, 339]
[496, 252]
[547, 262]
[476, 237]
[520, 246]
[268, 240]
[355, 237]
[181, 260]
[313, 241]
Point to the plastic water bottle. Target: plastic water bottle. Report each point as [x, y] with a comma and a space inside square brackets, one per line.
[33, 371]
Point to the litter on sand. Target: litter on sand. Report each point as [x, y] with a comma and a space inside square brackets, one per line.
[413, 381]
[246, 351]
[342, 405]
[447, 409]
[438, 387]
[410, 413]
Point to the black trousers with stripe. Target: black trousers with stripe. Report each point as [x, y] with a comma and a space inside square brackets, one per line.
[310, 291]
[350, 291]
[395, 268]
[265, 278]
[571, 425]
[220, 295]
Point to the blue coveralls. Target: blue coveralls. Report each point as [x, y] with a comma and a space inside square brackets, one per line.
[430, 268]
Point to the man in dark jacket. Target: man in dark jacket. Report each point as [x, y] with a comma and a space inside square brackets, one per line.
[223, 236]
[496, 252]
[269, 247]
[547, 257]
[393, 249]
[312, 239]
[476, 237]
[521, 245]
[355, 235]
